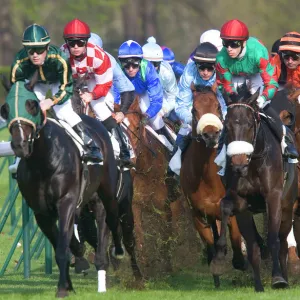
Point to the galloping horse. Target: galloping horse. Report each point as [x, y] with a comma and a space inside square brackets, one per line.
[200, 182]
[155, 207]
[50, 174]
[257, 180]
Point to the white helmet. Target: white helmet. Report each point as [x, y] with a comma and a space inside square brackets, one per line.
[96, 40]
[212, 36]
[152, 51]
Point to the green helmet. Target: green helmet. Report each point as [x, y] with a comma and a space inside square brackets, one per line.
[35, 36]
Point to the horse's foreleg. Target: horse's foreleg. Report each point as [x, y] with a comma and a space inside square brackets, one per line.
[273, 201]
[217, 266]
[127, 224]
[112, 220]
[101, 258]
[238, 260]
[248, 229]
[66, 214]
[206, 235]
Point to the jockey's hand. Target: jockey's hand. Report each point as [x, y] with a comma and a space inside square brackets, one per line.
[46, 104]
[119, 117]
[86, 97]
[145, 119]
[261, 102]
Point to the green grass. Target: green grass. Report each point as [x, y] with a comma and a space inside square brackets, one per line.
[189, 284]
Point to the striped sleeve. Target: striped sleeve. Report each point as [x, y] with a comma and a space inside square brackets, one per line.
[103, 74]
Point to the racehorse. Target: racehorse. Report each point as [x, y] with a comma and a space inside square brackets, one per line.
[51, 172]
[200, 182]
[86, 223]
[156, 211]
[257, 180]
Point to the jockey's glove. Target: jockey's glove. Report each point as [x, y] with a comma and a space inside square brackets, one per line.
[261, 102]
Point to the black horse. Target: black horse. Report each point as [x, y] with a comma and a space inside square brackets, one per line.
[258, 180]
[50, 174]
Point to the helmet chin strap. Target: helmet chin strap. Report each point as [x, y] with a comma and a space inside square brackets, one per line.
[242, 52]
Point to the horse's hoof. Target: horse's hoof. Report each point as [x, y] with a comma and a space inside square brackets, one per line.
[218, 267]
[279, 283]
[120, 254]
[240, 264]
[62, 294]
[216, 281]
[81, 265]
[259, 289]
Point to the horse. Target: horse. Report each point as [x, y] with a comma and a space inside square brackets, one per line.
[157, 204]
[50, 176]
[258, 180]
[86, 223]
[201, 184]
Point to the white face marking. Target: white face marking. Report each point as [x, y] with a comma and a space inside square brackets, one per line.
[21, 130]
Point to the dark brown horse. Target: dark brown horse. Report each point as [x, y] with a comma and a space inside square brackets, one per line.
[200, 182]
[257, 180]
[50, 175]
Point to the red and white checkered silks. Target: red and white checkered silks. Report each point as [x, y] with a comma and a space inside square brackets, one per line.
[96, 64]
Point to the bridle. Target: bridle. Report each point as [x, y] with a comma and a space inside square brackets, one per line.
[256, 119]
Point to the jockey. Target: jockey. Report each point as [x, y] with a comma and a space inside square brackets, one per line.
[147, 85]
[121, 83]
[169, 56]
[200, 72]
[86, 58]
[153, 53]
[245, 57]
[54, 74]
[287, 62]
[209, 36]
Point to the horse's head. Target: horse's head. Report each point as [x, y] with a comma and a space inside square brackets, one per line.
[207, 114]
[24, 116]
[242, 124]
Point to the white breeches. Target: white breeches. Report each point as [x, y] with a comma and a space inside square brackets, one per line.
[63, 111]
[5, 149]
[254, 82]
[157, 121]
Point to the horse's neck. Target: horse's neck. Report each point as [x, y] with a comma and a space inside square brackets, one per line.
[203, 158]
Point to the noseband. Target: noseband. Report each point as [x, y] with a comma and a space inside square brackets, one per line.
[256, 118]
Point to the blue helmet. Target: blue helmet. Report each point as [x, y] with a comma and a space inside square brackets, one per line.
[96, 40]
[169, 55]
[130, 48]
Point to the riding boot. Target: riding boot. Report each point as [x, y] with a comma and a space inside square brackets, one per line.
[287, 144]
[182, 141]
[124, 151]
[164, 131]
[91, 150]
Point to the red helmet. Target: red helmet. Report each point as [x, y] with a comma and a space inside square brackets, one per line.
[77, 29]
[234, 30]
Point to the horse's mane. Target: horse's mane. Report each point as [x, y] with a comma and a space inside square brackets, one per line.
[243, 92]
[203, 89]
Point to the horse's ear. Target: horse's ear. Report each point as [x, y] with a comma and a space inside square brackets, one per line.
[253, 98]
[5, 82]
[4, 111]
[227, 98]
[33, 81]
[193, 88]
[32, 106]
[214, 87]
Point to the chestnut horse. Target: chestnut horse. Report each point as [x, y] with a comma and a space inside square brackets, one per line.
[155, 208]
[258, 180]
[201, 184]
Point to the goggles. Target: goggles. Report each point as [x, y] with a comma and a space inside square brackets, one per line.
[134, 63]
[294, 56]
[79, 43]
[39, 50]
[232, 44]
[205, 66]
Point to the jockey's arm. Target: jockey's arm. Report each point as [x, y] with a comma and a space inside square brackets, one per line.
[268, 74]
[184, 99]
[64, 76]
[170, 89]
[224, 78]
[17, 73]
[103, 76]
[155, 91]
